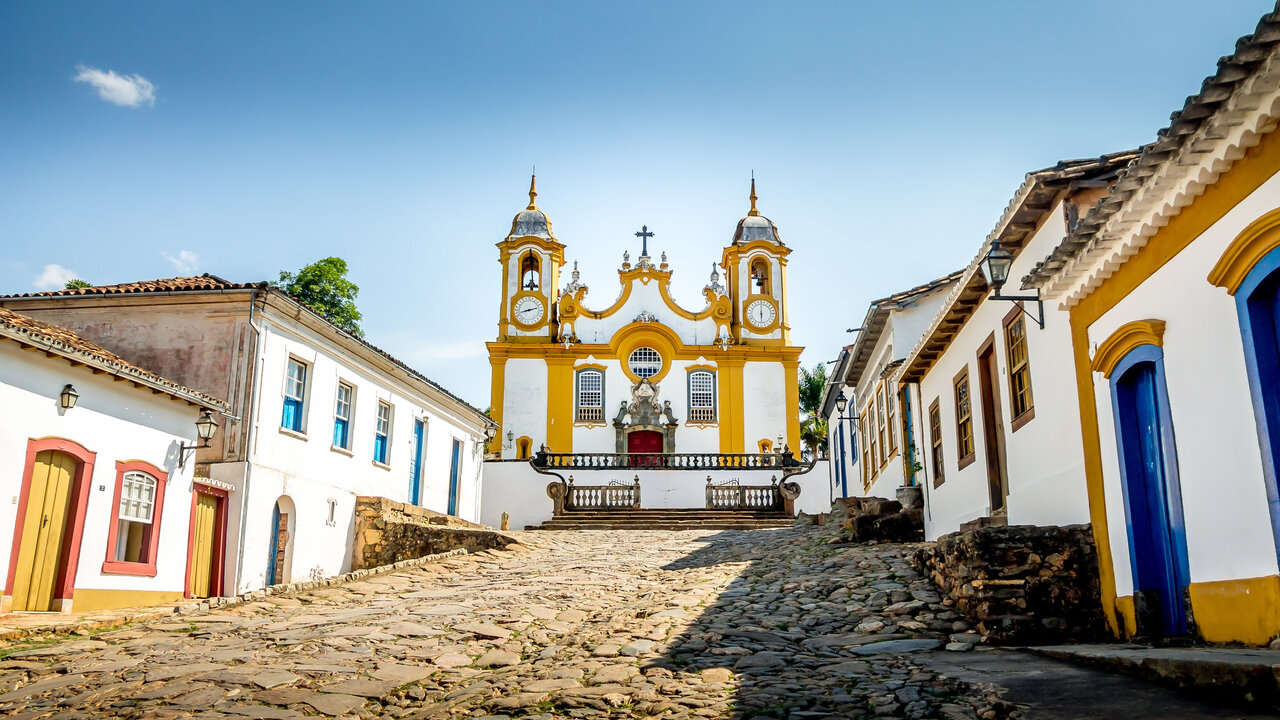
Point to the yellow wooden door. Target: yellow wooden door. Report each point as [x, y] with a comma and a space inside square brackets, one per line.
[202, 550]
[43, 528]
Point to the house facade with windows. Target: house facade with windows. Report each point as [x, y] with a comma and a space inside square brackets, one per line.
[103, 508]
[317, 416]
[1170, 287]
[999, 414]
[875, 442]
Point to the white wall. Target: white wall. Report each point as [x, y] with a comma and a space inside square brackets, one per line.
[524, 403]
[1044, 458]
[1219, 459]
[118, 422]
[516, 488]
[764, 404]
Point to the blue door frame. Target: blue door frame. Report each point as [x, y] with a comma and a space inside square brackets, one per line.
[1151, 489]
[415, 464]
[1258, 306]
[274, 547]
[455, 468]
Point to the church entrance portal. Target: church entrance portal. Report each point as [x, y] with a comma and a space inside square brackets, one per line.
[644, 441]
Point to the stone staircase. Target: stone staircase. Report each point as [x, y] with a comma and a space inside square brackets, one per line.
[666, 519]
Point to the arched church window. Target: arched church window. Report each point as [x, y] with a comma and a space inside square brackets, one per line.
[523, 446]
[760, 275]
[645, 362]
[590, 396]
[530, 272]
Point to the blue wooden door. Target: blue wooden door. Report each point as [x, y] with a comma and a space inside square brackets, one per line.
[1262, 345]
[415, 464]
[1142, 430]
[273, 547]
[455, 468]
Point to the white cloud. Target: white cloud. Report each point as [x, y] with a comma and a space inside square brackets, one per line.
[123, 90]
[54, 277]
[186, 263]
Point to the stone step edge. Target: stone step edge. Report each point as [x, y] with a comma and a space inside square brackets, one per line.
[186, 607]
[1250, 681]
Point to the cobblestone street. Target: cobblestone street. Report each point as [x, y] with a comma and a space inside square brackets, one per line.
[579, 624]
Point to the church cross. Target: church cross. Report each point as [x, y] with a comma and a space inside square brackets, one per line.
[644, 236]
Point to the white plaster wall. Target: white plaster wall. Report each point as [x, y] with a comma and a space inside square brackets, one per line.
[1219, 459]
[764, 404]
[815, 489]
[524, 403]
[516, 488]
[310, 472]
[644, 297]
[118, 422]
[1044, 458]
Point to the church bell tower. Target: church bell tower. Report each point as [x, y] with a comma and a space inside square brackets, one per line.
[531, 258]
[756, 265]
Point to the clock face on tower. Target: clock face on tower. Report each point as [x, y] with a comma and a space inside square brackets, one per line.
[761, 314]
[529, 311]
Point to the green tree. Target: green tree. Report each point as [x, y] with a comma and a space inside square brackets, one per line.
[813, 427]
[76, 283]
[323, 286]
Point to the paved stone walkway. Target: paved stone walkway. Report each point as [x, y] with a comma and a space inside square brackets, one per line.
[590, 624]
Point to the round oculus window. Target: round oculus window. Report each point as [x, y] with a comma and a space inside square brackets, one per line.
[645, 362]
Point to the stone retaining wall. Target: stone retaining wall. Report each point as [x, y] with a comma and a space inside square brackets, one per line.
[388, 532]
[1023, 584]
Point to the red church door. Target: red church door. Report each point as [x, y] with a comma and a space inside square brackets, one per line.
[647, 444]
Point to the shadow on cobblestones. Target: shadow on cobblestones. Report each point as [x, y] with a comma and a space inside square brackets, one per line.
[805, 629]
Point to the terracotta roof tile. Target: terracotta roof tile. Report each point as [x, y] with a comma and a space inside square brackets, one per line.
[178, 284]
[56, 339]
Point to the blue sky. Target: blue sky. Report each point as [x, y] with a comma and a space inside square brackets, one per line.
[246, 138]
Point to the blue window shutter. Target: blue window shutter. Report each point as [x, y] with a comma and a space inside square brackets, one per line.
[380, 448]
[292, 418]
[340, 433]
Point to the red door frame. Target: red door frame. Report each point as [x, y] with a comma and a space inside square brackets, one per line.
[64, 586]
[216, 568]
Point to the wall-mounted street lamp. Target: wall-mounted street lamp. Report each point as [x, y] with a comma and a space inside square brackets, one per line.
[995, 270]
[68, 397]
[205, 428]
[511, 440]
[490, 432]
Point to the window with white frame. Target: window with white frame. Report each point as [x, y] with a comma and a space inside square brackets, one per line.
[342, 416]
[382, 433]
[702, 396]
[137, 509]
[295, 395]
[645, 362]
[590, 396]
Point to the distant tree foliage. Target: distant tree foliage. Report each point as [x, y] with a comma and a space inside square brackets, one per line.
[323, 286]
[813, 427]
[76, 283]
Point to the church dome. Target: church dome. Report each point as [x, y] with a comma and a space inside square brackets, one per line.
[531, 221]
[755, 226]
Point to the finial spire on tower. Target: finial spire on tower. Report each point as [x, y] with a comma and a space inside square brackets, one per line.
[533, 193]
[754, 212]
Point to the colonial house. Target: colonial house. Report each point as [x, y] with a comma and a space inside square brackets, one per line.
[103, 508]
[318, 416]
[1000, 444]
[875, 436]
[1171, 288]
[640, 374]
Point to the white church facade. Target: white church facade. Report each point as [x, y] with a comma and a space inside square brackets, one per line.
[638, 374]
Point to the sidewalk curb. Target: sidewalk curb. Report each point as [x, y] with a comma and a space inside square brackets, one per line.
[127, 616]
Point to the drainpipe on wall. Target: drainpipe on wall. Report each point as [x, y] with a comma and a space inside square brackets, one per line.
[260, 363]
